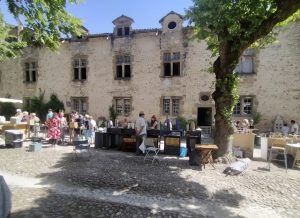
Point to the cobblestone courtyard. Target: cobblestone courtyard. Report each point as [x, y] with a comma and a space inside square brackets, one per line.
[111, 183]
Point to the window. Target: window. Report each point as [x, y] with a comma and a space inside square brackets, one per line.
[172, 25]
[171, 105]
[27, 102]
[123, 31]
[30, 72]
[244, 106]
[80, 66]
[122, 105]
[245, 64]
[79, 104]
[171, 63]
[123, 68]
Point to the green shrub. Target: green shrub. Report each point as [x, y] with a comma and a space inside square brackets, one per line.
[7, 110]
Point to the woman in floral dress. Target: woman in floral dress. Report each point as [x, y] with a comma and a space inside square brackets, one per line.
[54, 129]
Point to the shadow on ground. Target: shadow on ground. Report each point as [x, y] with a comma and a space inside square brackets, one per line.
[116, 184]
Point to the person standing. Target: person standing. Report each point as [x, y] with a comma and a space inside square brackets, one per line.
[294, 127]
[285, 129]
[153, 123]
[54, 129]
[141, 132]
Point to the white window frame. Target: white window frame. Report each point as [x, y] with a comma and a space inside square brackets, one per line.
[123, 105]
[171, 106]
[79, 104]
[244, 107]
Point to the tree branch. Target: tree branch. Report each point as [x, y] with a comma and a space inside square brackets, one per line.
[285, 8]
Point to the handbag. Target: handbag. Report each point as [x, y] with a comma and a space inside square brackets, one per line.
[73, 125]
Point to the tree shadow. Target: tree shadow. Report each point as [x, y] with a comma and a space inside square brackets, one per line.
[118, 184]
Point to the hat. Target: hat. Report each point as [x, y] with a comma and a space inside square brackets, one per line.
[19, 110]
[87, 116]
[141, 113]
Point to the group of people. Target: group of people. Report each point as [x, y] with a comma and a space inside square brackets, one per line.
[294, 130]
[141, 128]
[82, 125]
[243, 126]
[26, 117]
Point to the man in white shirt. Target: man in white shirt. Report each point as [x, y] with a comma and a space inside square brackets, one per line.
[141, 131]
[294, 127]
[285, 129]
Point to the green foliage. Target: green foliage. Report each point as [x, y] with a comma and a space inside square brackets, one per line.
[7, 110]
[220, 21]
[183, 121]
[112, 113]
[40, 107]
[55, 104]
[10, 47]
[256, 116]
[46, 22]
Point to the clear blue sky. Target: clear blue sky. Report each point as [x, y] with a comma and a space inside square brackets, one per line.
[97, 15]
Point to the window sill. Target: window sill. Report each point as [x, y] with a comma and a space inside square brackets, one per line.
[79, 80]
[30, 82]
[246, 74]
[240, 115]
[126, 79]
[171, 76]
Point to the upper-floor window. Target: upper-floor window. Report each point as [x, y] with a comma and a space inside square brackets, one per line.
[79, 104]
[123, 31]
[171, 105]
[80, 69]
[171, 64]
[30, 72]
[122, 105]
[123, 67]
[244, 106]
[245, 64]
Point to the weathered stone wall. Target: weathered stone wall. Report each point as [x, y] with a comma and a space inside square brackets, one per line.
[275, 84]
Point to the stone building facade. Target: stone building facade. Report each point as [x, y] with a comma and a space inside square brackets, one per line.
[160, 71]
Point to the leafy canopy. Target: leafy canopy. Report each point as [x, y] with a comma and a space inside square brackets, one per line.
[238, 21]
[46, 21]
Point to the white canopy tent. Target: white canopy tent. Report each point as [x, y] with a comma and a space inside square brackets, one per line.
[10, 100]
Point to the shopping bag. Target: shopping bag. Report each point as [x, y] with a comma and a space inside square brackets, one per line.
[142, 147]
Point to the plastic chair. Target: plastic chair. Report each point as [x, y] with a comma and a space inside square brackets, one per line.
[151, 151]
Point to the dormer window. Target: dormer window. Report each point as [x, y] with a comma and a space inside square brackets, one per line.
[172, 25]
[122, 26]
[123, 31]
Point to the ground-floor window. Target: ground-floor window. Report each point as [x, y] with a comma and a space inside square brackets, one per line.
[171, 105]
[79, 104]
[244, 106]
[123, 105]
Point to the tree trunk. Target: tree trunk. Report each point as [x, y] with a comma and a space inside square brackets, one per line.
[224, 97]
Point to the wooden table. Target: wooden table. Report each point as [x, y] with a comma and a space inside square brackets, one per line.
[205, 151]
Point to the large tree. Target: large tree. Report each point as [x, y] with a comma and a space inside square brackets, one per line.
[230, 27]
[41, 23]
